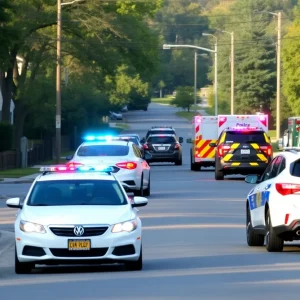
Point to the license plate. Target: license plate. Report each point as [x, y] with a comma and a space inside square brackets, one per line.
[245, 151]
[161, 148]
[79, 245]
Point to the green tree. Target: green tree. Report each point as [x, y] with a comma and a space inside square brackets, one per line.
[290, 64]
[184, 97]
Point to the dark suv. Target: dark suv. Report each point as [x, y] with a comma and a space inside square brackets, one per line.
[242, 152]
[163, 148]
[160, 130]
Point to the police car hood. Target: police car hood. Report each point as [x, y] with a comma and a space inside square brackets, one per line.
[77, 214]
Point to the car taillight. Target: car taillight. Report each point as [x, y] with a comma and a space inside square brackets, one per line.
[74, 164]
[127, 165]
[287, 188]
[266, 149]
[176, 146]
[223, 149]
[145, 146]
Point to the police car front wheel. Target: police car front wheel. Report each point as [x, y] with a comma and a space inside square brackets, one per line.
[253, 239]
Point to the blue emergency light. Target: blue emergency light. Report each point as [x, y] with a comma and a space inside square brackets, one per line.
[98, 138]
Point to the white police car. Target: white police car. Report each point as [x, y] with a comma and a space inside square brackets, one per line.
[77, 215]
[123, 155]
[273, 205]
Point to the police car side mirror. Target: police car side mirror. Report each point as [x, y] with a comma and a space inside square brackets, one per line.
[189, 141]
[180, 140]
[69, 157]
[213, 145]
[252, 179]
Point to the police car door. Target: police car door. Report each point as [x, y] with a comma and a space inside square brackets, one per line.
[257, 197]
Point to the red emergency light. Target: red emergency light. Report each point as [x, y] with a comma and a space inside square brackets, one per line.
[222, 120]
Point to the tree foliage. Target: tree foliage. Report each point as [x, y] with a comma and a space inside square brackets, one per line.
[184, 97]
[107, 49]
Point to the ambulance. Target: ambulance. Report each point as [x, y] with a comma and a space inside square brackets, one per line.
[204, 132]
[243, 145]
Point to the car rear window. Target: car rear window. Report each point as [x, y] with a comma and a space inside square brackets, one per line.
[245, 137]
[76, 192]
[161, 140]
[103, 150]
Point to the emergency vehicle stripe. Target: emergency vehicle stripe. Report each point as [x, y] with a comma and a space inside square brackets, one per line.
[222, 139]
[261, 157]
[253, 164]
[202, 144]
[197, 128]
[227, 157]
[235, 146]
[208, 152]
[235, 164]
[267, 138]
[255, 146]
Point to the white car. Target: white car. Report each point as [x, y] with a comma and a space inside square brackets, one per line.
[115, 116]
[126, 158]
[273, 205]
[73, 217]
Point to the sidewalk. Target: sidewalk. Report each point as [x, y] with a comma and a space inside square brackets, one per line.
[24, 179]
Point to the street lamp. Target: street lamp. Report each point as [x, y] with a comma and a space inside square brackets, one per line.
[216, 70]
[168, 47]
[58, 80]
[232, 70]
[278, 92]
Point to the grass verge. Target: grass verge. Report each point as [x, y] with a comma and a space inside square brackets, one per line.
[166, 100]
[185, 114]
[17, 173]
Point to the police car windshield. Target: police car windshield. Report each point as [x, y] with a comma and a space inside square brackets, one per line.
[103, 150]
[161, 139]
[245, 137]
[76, 192]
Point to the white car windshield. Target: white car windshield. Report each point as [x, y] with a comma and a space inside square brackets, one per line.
[76, 192]
[103, 150]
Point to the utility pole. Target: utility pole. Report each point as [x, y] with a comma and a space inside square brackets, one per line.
[216, 78]
[232, 73]
[58, 86]
[278, 77]
[195, 83]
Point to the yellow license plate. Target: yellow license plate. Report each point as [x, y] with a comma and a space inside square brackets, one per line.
[79, 245]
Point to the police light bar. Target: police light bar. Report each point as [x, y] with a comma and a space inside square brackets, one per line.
[244, 128]
[64, 168]
[98, 138]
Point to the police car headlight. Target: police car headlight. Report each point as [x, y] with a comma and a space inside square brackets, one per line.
[127, 226]
[29, 227]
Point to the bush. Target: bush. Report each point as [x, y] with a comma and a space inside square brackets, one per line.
[6, 136]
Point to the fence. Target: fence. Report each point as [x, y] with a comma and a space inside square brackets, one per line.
[39, 151]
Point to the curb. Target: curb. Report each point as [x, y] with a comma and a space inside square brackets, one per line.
[17, 181]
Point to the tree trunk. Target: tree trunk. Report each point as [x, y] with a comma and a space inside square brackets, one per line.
[19, 119]
[160, 93]
[7, 88]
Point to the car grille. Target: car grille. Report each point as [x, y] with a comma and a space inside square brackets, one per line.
[69, 231]
[94, 252]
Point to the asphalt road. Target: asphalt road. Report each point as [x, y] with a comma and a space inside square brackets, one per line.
[194, 242]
